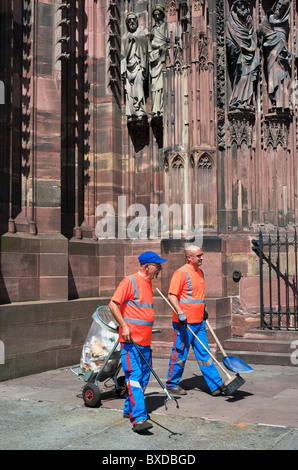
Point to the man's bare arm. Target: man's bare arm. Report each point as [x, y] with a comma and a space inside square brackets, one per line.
[181, 315]
[174, 301]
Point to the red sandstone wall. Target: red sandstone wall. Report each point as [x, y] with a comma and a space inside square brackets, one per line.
[66, 148]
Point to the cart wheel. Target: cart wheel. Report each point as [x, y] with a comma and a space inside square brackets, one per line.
[91, 395]
[122, 392]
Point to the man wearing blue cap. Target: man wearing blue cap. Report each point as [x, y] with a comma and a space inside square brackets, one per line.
[132, 307]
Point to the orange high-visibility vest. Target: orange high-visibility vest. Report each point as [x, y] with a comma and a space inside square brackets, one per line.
[137, 309]
[189, 287]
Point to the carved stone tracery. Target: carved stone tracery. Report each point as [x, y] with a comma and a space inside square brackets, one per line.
[241, 127]
[178, 161]
[205, 162]
[171, 7]
[220, 73]
[114, 42]
[203, 51]
[198, 5]
[276, 131]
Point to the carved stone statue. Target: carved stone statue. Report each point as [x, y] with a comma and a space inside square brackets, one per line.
[157, 55]
[274, 32]
[242, 54]
[134, 67]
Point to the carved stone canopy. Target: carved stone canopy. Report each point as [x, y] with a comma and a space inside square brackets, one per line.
[276, 129]
[240, 127]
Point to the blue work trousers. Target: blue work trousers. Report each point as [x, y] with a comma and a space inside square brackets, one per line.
[183, 339]
[137, 375]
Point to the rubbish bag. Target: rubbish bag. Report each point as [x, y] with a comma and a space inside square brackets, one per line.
[99, 343]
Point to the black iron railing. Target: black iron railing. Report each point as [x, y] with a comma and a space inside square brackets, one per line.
[278, 268]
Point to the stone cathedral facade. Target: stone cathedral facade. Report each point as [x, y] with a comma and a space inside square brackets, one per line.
[111, 108]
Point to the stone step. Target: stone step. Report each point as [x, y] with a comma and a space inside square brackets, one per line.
[163, 350]
[262, 358]
[258, 345]
[162, 321]
[162, 334]
[284, 335]
[263, 347]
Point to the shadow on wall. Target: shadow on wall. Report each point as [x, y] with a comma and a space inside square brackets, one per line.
[72, 290]
[4, 297]
[75, 119]
[5, 131]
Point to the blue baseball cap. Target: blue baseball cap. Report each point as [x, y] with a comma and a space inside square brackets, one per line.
[150, 257]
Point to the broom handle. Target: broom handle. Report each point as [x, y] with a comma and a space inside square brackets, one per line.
[202, 344]
[211, 355]
[216, 339]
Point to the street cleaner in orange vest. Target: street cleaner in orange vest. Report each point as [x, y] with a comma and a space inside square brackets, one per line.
[132, 307]
[187, 295]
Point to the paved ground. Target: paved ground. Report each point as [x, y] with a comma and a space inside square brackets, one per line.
[45, 411]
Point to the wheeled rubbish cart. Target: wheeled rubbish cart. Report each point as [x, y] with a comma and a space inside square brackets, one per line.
[100, 360]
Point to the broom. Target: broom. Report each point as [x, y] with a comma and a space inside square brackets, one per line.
[234, 382]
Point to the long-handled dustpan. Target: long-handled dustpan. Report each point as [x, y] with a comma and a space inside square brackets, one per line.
[230, 362]
[169, 397]
[233, 383]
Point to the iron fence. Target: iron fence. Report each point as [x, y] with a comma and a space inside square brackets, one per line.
[278, 270]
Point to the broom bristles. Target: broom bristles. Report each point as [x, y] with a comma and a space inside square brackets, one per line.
[234, 383]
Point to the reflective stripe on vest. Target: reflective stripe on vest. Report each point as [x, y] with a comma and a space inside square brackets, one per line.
[189, 299]
[135, 303]
[136, 321]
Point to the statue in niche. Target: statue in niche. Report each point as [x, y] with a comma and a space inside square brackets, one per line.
[134, 67]
[273, 33]
[242, 54]
[159, 44]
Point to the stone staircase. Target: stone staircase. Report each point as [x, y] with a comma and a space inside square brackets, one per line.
[268, 347]
[257, 346]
